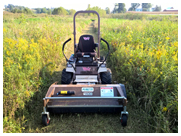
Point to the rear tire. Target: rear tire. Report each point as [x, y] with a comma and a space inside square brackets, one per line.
[66, 77]
[106, 77]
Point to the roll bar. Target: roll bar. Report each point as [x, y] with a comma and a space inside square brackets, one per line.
[87, 11]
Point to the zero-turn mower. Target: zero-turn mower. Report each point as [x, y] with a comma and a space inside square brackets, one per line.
[85, 82]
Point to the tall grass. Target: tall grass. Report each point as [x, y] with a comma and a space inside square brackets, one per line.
[144, 56]
[30, 45]
[141, 16]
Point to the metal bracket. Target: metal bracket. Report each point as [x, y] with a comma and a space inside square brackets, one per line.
[124, 112]
[45, 113]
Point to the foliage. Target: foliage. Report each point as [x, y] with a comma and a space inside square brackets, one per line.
[101, 12]
[27, 11]
[43, 10]
[72, 12]
[38, 10]
[146, 6]
[11, 7]
[31, 48]
[134, 6]
[157, 8]
[141, 16]
[59, 11]
[107, 10]
[119, 8]
[18, 9]
[49, 12]
[144, 56]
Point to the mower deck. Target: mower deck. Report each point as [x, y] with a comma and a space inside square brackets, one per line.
[86, 98]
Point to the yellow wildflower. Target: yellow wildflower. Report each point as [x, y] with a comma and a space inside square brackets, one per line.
[137, 47]
[150, 54]
[164, 109]
[20, 33]
[27, 93]
[167, 38]
[19, 66]
[175, 44]
[4, 29]
[7, 52]
[141, 45]
[159, 53]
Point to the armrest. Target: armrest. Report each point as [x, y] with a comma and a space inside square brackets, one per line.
[96, 44]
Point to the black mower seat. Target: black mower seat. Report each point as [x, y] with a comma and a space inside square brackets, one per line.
[86, 46]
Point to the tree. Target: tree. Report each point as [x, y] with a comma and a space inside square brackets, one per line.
[15, 10]
[27, 11]
[134, 6]
[107, 10]
[38, 10]
[59, 11]
[88, 8]
[43, 10]
[119, 8]
[146, 6]
[72, 12]
[49, 12]
[157, 8]
[20, 11]
[10, 6]
[99, 10]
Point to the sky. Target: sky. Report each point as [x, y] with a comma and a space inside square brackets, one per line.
[83, 4]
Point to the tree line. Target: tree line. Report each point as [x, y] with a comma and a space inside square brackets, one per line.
[118, 8]
[55, 11]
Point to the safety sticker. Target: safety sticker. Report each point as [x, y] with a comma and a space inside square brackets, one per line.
[107, 92]
[87, 89]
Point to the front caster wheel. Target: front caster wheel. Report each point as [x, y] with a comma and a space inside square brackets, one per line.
[124, 120]
[45, 120]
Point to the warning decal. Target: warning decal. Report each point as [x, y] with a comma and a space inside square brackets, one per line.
[107, 92]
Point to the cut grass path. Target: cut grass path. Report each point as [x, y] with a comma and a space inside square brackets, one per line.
[84, 122]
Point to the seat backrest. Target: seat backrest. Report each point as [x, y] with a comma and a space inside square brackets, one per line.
[86, 43]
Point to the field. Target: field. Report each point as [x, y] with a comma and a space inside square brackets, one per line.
[163, 13]
[144, 56]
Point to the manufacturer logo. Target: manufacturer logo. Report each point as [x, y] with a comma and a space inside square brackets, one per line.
[86, 38]
[86, 68]
[87, 89]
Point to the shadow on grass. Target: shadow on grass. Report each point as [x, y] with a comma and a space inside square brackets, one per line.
[34, 107]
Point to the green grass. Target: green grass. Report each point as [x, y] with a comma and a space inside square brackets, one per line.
[31, 48]
[144, 56]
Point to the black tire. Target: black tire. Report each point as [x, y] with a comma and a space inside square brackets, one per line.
[66, 77]
[124, 89]
[45, 120]
[106, 77]
[124, 120]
